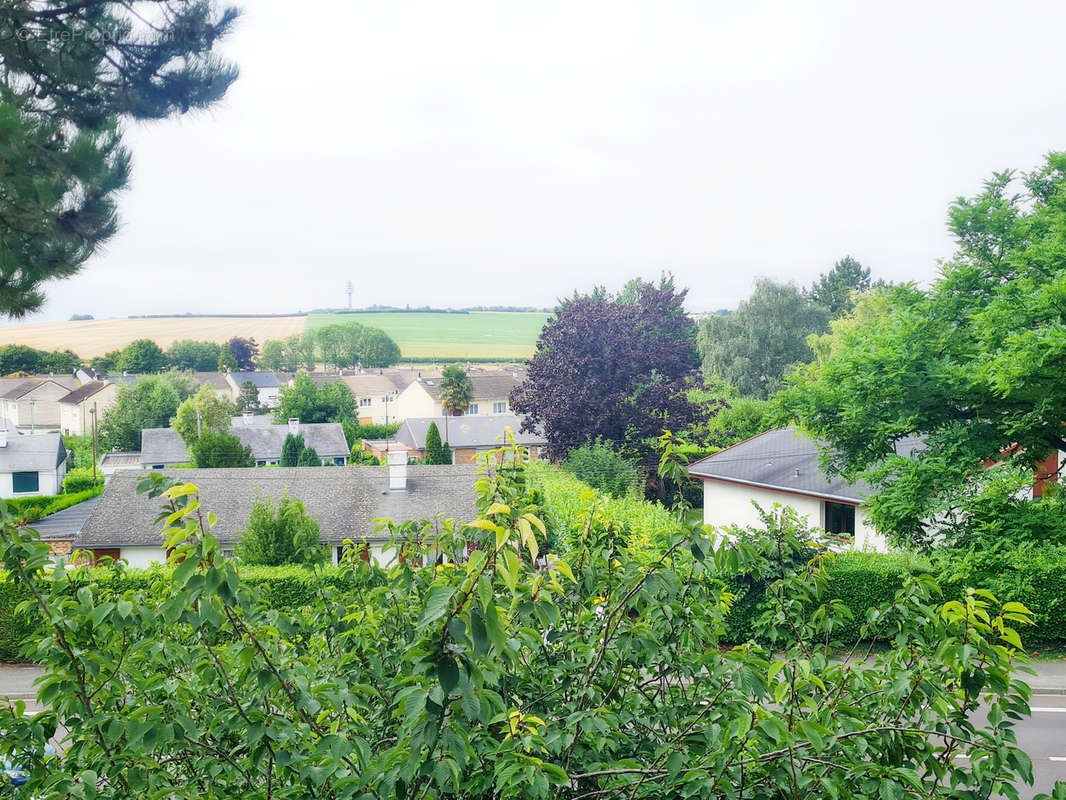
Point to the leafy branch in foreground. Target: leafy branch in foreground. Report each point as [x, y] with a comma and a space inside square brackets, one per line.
[499, 670]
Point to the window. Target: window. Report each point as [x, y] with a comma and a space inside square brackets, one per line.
[227, 553]
[159, 466]
[364, 402]
[25, 482]
[339, 460]
[472, 408]
[260, 463]
[499, 408]
[839, 518]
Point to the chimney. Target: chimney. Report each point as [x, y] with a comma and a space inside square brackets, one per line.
[397, 461]
[294, 425]
[247, 416]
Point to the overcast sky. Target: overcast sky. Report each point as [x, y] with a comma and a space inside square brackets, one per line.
[467, 153]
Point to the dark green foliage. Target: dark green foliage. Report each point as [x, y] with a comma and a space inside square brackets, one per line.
[72, 72]
[20, 358]
[754, 347]
[355, 432]
[334, 402]
[78, 480]
[193, 355]
[248, 399]
[343, 346]
[446, 455]
[151, 402]
[434, 452]
[309, 458]
[291, 449]
[604, 469]
[82, 449]
[107, 362]
[834, 290]
[142, 356]
[280, 534]
[219, 449]
[456, 391]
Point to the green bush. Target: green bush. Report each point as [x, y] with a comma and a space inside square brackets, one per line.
[14, 627]
[78, 480]
[604, 469]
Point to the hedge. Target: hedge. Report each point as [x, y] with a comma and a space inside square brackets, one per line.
[31, 509]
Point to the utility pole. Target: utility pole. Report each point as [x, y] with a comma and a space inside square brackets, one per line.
[349, 289]
[93, 412]
[33, 425]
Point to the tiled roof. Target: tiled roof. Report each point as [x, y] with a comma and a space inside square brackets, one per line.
[81, 393]
[260, 380]
[164, 446]
[344, 500]
[487, 385]
[41, 451]
[480, 430]
[215, 379]
[66, 524]
[787, 460]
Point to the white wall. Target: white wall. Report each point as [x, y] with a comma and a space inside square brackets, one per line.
[49, 482]
[143, 556]
[730, 504]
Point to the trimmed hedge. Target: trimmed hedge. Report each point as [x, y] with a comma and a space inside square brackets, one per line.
[31, 509]
[79, 480]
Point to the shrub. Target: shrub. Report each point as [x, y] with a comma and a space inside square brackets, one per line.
[355, 432]
[213, 449]
[603, 468]
[309, 458]
[31, 509]
[78, 480]
[282, 534]
[291, 449]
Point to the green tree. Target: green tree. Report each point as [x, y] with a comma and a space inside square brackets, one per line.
[456, 391]
[20, 358]
[248, 399]
[604, 468]
[142, 357]
[280, 534]
[215, 449]
[151, 402]
[205, 411]
[972, 367]
[334, 402]
[72, 74]
[466, 682]
[193, 355]
[291, 449]
[755, 346]
[434, 453]
[834, 290]
[272, 356]
[107, 362]
[377, 348]
[309, 458]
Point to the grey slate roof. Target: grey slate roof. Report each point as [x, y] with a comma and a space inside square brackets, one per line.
[479, 430]
[79, 394]
[370, 384]
[260, 380]
[215, 379]
[41, 451]
[344, 500]
[487, 385]
[65, 525]
[786, 460]
[164, 446]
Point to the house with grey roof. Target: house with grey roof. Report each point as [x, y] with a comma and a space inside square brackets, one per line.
[31, 465]
[266, 384]
[163, 447]
[781, 466]
[468, 436]
[491, 395]
[32, 404]
[346, 503]
[76, 409]
[59, 530]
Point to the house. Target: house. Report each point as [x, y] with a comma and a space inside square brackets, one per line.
[781, 466]
[31, 465]
[217, 381]
[468, 436]
[266, 383]
[32, 404]
[113, 462]
[345, 502]
[59, 530]
[76, 409]
[375, 397]
[162, 447]
[492, 392]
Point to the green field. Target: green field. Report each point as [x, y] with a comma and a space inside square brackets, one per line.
[504, 335]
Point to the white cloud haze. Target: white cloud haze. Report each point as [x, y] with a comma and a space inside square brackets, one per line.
[507, 153]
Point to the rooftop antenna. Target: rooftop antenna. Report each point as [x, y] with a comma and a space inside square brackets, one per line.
[348, 290]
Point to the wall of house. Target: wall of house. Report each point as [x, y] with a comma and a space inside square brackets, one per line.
[731, 504]
[49, 483]
[43, 413]
[415, 401]
[75, 419]
[139, 557]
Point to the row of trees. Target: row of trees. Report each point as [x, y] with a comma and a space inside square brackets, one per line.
[340, 346]
[144, 356]
[21, 358]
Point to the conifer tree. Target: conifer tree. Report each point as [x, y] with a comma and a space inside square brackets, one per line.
[433, 452]
[291, 450]
[309, 458]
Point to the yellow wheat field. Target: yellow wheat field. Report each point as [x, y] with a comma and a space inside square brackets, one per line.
[94, 337]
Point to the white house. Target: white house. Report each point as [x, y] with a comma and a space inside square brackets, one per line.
[77, 408]
[781, 466]
[266, 384]
[31, 465]
[33, 403]
[492, 393]
[345, 502]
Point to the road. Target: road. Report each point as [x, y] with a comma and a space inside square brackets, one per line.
[1042, 736]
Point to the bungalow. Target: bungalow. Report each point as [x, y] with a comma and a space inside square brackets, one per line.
[31, 465]
[76, 409]
[345, 502]
[33, 403]
[217, 381]
[468, 436]
[162, 448]
[59, 530]
[492, 392]
[781, 466]
[266, 384]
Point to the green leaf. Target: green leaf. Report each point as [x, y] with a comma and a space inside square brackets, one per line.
[436, 603]
[448, 673]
